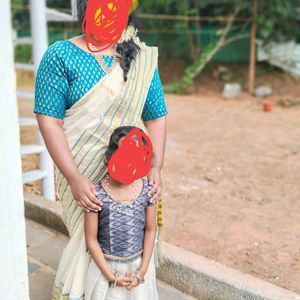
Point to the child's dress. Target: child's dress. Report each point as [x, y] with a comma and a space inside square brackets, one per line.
[121, 235]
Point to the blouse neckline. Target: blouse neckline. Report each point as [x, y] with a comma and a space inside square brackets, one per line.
[119, 202]
[77, 47]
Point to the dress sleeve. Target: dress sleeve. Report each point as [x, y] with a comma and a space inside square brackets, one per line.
[51, 85]
[155, 105]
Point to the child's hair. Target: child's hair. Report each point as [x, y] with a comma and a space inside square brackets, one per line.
[115, 137]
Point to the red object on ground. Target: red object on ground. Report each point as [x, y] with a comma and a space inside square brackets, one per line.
[132, 159]
[105, 22]
[268, 106]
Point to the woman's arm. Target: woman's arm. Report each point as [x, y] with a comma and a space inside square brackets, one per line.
[157, 132]
[90, 231]
[82, 188]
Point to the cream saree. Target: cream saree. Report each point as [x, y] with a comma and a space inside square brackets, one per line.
[88, 125]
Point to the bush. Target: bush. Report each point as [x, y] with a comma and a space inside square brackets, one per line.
[23, 53]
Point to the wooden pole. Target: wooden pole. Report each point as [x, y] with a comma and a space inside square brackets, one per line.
[252, 63]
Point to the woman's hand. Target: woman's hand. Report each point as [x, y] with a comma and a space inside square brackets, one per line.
[84, 192]
[82, 189]
[154, 179]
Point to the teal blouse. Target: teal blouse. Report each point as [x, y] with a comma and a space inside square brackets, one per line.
[66, 73]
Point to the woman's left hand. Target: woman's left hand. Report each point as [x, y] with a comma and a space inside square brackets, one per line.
[154, 179]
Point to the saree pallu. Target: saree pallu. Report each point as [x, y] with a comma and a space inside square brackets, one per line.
[88, 124]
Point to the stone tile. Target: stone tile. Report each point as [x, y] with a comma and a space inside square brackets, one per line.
[49, 252]
[36, 233]
[167, 292]
[32, 267]
[40, 285]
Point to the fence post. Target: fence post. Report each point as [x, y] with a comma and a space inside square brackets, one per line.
[252, 63]
[39, 45]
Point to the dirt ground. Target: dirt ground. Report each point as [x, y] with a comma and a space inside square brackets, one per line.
[231, 185]
[230, 180]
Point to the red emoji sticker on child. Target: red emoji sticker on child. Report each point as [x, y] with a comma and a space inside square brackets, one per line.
[132, 159]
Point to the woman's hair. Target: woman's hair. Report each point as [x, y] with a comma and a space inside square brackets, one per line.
[127, 50]
[115, 137]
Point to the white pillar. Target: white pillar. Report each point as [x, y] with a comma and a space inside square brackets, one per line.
[39, 30]
[40, 43]
[74, 9]
[13, 259]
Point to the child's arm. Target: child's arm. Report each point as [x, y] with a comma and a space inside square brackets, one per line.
[90, 231]
[149, 239]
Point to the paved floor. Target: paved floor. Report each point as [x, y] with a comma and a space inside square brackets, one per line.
[44, 248]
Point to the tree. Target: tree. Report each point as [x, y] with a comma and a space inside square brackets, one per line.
[276, 22]
[210, 50]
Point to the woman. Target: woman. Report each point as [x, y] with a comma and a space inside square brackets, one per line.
[80, 99]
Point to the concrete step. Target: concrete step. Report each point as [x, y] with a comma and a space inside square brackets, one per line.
[31, 176]
[31, 149]
[24, 67]
[23, 122]
[25, 94]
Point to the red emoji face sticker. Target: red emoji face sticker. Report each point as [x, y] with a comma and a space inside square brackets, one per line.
[132, 159]
[104, 22]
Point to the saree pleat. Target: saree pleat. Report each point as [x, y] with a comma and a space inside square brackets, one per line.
[111, 103]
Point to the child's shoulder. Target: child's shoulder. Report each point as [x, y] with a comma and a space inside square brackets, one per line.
[100, 191]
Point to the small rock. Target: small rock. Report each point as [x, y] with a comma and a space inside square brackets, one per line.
[231, 90]
[209, 178]
[263, 91]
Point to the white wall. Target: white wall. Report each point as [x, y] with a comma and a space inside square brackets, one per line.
[13, 260]
[285, 56]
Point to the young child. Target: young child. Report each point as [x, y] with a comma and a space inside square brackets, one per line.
[120, 238]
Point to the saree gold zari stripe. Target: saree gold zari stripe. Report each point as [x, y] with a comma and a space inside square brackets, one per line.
[88, 125]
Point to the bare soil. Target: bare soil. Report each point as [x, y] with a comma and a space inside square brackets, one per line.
[231, 185]
[230, 179]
